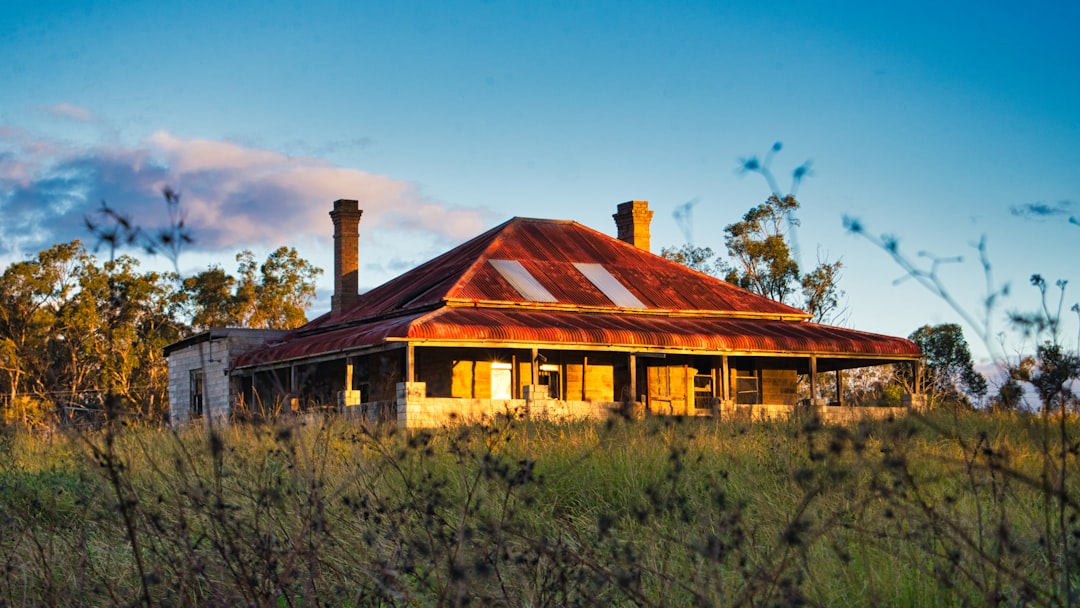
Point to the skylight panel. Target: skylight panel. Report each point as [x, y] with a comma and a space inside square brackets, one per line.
[609, 285]
[523, 282]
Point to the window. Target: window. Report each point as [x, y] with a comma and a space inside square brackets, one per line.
[746, 386]
[703, 392]
[196, 378]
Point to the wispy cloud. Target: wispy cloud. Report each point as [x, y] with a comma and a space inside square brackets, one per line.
[70, 112]
[233, 196]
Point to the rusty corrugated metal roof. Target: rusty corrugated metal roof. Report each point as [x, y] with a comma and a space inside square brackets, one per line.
[459, 296]
[548, 249]
[555, 329]
[643, 331]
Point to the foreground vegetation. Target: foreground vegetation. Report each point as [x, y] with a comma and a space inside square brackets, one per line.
[944, 510]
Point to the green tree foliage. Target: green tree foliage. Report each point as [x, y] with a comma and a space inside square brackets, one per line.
[75, 333]
[30, 294]
[821, 291]
[271, 295]
[701, 259]
[762, 260]
[949, 373]
[72, 331]
[209, 298]
[1052, 371]
[759, 248]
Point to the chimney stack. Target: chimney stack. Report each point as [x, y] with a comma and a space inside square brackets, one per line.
[346, 218]
[633, 220]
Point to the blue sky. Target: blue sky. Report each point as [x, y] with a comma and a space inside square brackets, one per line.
[936, 122]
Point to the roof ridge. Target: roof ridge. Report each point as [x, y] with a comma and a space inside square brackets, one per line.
[800, 317]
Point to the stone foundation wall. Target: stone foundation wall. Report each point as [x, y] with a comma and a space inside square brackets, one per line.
[828, 413]
[415, 410]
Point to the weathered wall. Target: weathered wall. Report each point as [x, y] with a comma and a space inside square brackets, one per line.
[471, 379]
[670, 389]
[778, 386]
[590, 378]
[416, 410]
[212, 356]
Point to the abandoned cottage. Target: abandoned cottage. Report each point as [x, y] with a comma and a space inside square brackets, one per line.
[545, 317]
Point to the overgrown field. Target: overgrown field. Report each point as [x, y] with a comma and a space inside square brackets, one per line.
[945, 510]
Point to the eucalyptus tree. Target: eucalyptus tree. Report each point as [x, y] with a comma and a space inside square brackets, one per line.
[949, 371]
[31, 292]
[271, 295]
[72, 330]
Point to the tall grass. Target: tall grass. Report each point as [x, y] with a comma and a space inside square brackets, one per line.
[944, 510]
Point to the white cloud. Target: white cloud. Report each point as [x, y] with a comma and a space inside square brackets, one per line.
[233, 196]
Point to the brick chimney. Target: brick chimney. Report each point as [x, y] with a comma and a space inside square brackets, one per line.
[346, 218]
[633, 220]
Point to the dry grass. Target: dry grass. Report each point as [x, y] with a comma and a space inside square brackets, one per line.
[942, 511]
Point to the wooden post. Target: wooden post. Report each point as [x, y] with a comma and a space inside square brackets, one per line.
[726, 380]
[535, 367]
[839, 387]
[633, 377]
[410, 362]
[515, 391]
[348, 373]
[813, 379]
[294, 388]
[584, 377]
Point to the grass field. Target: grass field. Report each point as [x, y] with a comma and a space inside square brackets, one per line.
[945, 510]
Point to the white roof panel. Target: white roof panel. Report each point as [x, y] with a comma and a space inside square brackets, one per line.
[609, 285]
[523, 282]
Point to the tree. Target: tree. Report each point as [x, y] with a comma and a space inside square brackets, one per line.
[30, 294]
[759, 248]
[273, 295]
[696, 258]
[763, 251]
[121, 319]
[949, 371]
[208, 298]
[762, 261]
[72, 331]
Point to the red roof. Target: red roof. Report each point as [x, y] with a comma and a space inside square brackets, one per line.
[524, 327]
[461, 297]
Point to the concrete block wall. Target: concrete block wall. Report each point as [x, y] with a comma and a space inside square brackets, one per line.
[827, 413]
[212, 358]
[212, 355]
